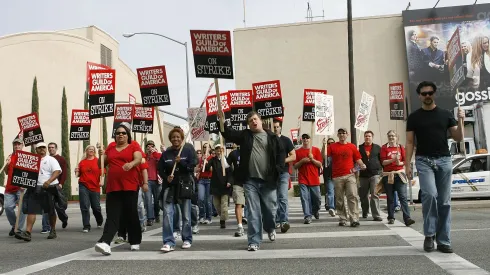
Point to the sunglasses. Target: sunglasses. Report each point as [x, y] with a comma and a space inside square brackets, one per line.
[427, 93]
[330, 143]
[121, 133]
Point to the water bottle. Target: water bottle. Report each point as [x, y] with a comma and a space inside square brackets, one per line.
[355, 168]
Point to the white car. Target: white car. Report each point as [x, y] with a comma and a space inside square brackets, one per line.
[471, 178]
[2, 199]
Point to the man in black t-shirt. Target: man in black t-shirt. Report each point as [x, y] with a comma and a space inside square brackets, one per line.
[283, 185]
[429, 125]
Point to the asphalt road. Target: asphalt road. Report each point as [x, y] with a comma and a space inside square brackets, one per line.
[319, 248]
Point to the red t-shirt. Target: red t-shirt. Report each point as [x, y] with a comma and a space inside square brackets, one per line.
[89, 174]
[117, 178]
[388, 152]
[11, 189]
[152, 161]
[308, 172]
[142, 167]
[343, 158]
[205, 174]
[368, 148]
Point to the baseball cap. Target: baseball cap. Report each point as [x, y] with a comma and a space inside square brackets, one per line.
[150, 142]
[305, 136]
[342, 130]
[41, 144]
[217, 146]
[17, 140]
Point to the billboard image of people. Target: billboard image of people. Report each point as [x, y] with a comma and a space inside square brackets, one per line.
[427, 34]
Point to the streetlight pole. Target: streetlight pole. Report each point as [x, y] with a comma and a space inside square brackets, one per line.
[352, 93]
[128, 35]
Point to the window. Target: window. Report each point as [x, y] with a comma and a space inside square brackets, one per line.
[475, 164]
[105, 56]
[456, 148]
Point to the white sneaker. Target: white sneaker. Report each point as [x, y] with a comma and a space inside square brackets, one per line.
[135, 247]
[186, 245]
[195, 229]
[103, 248]
[85, 230]
[167, 248]
[331, 212]
[272, 235]
[201, 220]
[176, 235]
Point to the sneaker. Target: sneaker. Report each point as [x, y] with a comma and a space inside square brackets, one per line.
[186, 245]
[364, 216]
[103, 248]
[342, 223]
[378, 219]
[167, 248]
[99, 225]
[195, 229]
[149, 223]
[354, 224]
[278, 225]
[239, 232]
[44, 231]
[317, 215]
[222, 224]
[64, 224]
[429, 244]
[176, 235]
[119, 240]
[143, 228]
[157, 219]
[391, 221]
[398, 208]
[12, 232]
[331, 212]
[307, 220]
[18, 235]
[215, 215]
[409, 222]
[85, 230]
[135, 247]
[26, 236]
[445, 248]
[285, 227]
[253, 247]
[272, 235]
[52, 235]
[201, 221]
[326, 208]
[244, 220]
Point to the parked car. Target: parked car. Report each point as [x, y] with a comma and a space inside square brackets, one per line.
[2, 199]
[471, 178]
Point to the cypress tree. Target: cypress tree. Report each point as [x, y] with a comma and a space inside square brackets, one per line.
[65, 144]
[85, 107]
[34, 104]
[2, 154]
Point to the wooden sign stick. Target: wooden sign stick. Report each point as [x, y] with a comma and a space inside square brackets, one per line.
[160, 130]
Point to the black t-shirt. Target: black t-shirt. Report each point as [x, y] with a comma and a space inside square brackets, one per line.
[430, 128]
[234, 161]
[288, 146]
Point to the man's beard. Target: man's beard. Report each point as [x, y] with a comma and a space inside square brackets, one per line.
[428, 101]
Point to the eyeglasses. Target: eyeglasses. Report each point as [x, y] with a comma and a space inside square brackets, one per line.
[121, 133]
[427, 93]
[330, 143]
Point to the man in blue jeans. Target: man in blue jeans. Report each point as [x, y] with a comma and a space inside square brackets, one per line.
[429, 125]
[283, 185]
[154, 187]
[263, 154]
[327, 179]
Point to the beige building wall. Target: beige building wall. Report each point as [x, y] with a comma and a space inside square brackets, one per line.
[58, 59]
[315, 55]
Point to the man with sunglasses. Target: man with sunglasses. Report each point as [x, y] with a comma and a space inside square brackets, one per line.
[430, 125]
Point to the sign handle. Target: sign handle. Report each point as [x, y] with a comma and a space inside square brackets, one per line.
[311, 136]
[102, 156]
[377, 118]
[220, 109]
[78, 152]
[222, 154]
[3, 167]
[462, 143]
[160, 130]
[206, 155]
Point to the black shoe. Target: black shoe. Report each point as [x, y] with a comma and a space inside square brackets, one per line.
[307, 220]
[215, 215]
[244, 221]
[285, 227]
[157, 219]
[364, 216]
[26, 236]
[149, 223]
[18, 235]
[12, 232]
[377, 219]
[222, 224]
[391, 221]
[326, 207]
[429, 244]
[342, 223]
[317, 215]
[52, 235]
[354, 224]
[445, 248]
[64, 224]
[409, 222]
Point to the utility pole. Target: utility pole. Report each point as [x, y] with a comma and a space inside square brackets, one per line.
[352, 94]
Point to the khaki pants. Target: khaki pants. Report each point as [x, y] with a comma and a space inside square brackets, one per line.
[221, 205]
[346, 186]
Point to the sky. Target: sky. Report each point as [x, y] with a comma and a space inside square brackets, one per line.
[174, 19]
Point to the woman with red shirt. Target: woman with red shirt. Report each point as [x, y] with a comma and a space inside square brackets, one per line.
[123, 181]
[394, 177]
[89, 188]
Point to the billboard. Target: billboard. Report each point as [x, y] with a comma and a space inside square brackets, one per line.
[429, 34]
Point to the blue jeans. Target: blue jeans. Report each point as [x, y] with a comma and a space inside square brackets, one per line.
[396, 201]
[311, 199]
[141, 207]
[205, 202]
[330, 193]
[45, 222]
[282, 198]
[151, 200]
[397, 187]
[89, 199]
[168, 220]
[262, 207]
[435, 185]
[10, 200]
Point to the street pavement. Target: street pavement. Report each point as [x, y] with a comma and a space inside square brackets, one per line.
[319, 248]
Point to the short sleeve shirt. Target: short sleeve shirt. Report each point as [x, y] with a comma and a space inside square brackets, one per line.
[288, 146]
[48, 166]
[308, 173]
[117, 178]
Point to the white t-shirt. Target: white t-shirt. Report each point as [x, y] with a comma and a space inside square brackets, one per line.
[48, 166]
